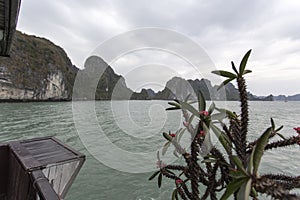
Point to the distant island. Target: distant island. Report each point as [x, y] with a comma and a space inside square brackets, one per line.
[39, 70]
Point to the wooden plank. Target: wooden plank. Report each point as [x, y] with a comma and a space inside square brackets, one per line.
[60, 165]
[48, 151]
[50, 159]
[57, 178]
[32, 193]
[24, 157]
[4, 153]
[68, 170]
[51, 176]
[2, 11]
[13, 175]
[45, 190]
[46, 172]
[19, 182]
[10, 18]
[68, 186]
[23, 184]
[80, 155]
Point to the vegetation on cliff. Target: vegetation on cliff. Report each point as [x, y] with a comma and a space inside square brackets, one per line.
[32, 60]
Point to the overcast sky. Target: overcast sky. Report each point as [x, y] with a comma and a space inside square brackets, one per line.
[225, 29]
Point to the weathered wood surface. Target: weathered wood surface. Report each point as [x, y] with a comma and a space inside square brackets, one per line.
[42, 168]
[18, 181]
[4, 151]
[44, 189]
[48, 151]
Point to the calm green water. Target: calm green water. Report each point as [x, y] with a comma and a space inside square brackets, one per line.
[136, 130]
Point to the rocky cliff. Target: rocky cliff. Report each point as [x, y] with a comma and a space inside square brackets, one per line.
[180, 88]
[295, 97]
[99, 81]
[37, 69]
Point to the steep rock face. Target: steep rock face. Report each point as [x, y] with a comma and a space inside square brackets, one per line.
[205, 87]
[36, 70]
[99, 81]
[7, 92]
[295, 97]
[179, 88]
[145, 94]
[55, 87]
[54, 90]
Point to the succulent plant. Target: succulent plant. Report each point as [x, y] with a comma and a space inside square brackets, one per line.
[233, 170]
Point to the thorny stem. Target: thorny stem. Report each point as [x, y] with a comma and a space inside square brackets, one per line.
[272, 188]
[194, 170]
[244, 117]
[282, 143]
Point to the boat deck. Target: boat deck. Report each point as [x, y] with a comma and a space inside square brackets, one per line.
[41, 168]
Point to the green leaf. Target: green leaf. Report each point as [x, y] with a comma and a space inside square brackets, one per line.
[250, 164]
[175, 153]
[222, 138]
[157, 155]
[245, 190]
[179, 135]
[174, 104]
[189, 108]
[248, 189]
[224, 83]
[233, 186]
[191, 118]
[187, 98]
[218, 116]
[173, 108]
[272, 123]
[165, 148]
[224, 73]
[278, 129]
[175, 195]
[239, 164]
[247, 71]
[253, 192]
[237, 174]
[259, 149]
[167, 136]
[201, 101]
[227, 112]
[180, 174]
[211, 107]
[192, 102]
[159, 180]
[281, 136]
[153, 175]
[208, 161]
[244, 62]
[170, 171]
[234, 68]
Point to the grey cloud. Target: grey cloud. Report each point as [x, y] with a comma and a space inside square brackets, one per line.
[226, 29]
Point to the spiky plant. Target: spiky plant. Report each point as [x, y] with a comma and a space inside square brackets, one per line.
[232, 169]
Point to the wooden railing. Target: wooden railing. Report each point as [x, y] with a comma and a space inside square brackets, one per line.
[37, 169]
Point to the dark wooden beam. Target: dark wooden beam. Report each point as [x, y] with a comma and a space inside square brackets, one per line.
[9, 12]
[4, 153]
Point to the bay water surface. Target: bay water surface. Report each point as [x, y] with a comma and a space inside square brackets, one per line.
[134, 126]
